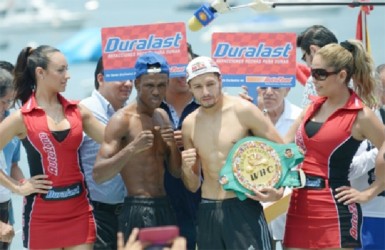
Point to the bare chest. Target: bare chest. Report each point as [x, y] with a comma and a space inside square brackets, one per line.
[214, 139]
[146, 123]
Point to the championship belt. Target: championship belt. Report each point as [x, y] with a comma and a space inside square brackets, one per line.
[254, 163]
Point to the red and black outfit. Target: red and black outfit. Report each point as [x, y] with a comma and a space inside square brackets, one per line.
[315, 218]
[63, 217]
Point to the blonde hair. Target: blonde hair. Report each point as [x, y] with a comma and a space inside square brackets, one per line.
[352, 57]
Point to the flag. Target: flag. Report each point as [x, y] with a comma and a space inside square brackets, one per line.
[302, 73]
[362, 32]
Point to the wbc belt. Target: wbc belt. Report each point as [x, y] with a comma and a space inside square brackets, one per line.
[254, 163]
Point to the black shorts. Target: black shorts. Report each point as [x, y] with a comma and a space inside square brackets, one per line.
[4, 217]
[143, 212]
[232, 224]
[107, 221]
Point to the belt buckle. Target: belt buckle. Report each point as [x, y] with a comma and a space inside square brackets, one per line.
[302, 178]
[315, 182]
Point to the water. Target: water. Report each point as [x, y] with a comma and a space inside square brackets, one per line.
[124, 13]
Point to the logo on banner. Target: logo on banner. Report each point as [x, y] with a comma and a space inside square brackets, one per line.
[123, 45]
[262, 59]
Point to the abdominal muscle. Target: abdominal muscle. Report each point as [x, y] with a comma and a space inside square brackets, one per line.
[144, 175]
[212, 189]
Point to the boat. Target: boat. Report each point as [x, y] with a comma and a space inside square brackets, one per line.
[37, 15]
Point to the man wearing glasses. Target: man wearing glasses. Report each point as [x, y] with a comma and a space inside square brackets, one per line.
[310, 41]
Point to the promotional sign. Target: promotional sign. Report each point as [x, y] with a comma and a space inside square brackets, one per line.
[121, 46]
[260, 59]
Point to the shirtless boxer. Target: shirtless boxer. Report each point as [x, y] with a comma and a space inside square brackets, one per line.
[224, 222]
[139, 140]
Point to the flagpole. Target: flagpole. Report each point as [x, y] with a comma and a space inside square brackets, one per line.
[351, 4]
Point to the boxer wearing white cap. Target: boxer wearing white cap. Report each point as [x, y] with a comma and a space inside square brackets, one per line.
[209, 133]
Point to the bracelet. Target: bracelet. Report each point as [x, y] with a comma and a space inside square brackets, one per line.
[22, 181]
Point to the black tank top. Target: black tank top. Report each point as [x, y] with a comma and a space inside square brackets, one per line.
[60, 135]
[312, 128]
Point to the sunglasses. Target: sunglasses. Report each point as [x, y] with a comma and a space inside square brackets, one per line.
[322, 74]
[303, 58]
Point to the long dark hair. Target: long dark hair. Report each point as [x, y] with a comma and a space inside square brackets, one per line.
[25, 76]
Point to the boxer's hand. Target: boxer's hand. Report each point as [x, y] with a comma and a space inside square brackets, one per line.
[6, 232]
[143, 141]
[178, 138]
[266, 194]
[167, 134]
[189, 159]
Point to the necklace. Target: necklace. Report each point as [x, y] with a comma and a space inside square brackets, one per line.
[55, 114]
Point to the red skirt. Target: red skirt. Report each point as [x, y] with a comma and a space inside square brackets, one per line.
[316, 220]
[57, 224]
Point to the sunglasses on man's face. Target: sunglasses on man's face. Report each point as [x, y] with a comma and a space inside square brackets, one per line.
[303, 58]
[321, 74]
[265, 88]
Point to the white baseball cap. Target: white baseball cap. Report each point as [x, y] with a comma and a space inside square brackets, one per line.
[201, 65]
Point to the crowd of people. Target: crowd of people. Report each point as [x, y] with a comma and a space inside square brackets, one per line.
[103, 168]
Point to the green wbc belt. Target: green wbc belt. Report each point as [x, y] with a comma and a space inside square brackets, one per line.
[254, 163]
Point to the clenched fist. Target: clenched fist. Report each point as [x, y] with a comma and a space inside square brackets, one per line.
[178, 138]
[143, 141]
[189, 160]
[6, 232]
[167, 134]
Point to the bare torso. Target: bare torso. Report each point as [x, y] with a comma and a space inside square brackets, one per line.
[213, 136]
[143, 176]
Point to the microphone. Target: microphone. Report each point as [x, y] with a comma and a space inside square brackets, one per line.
[208, 12]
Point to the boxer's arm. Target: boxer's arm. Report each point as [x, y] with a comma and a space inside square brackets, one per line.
[191, 168]
[253, 118]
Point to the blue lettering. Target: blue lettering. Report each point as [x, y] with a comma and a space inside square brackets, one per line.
[267, 52]
[221, 50]
[124, 45]
[250, 52]
[149, 41]
[112, 44]
[261, 51]
[140, 46]
[158, 43]
[116, 44]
